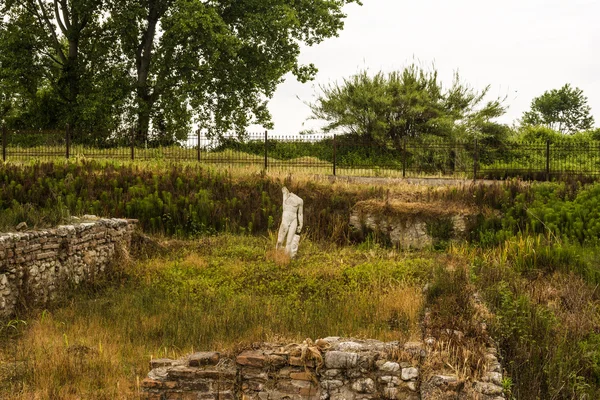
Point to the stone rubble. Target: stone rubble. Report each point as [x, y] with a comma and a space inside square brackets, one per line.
[332, 369]
[36, 265]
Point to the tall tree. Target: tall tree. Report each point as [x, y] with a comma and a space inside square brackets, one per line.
[564, 110]
[61, 64]
[216, 62]
[59, 26]
[408, 103]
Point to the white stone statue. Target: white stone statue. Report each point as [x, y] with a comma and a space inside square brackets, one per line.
[291, 222]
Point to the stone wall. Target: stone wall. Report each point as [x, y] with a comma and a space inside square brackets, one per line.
[330, 369]
[36, 265]
[411, 225]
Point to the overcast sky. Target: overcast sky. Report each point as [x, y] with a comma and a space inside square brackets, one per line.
[519, 47]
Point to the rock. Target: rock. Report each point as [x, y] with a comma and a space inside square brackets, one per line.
[488, 388]
[440, 380]
[302, 376]
[160, 362]
[409, 373]
[331, 373]
[365, 385]
[21, 226]
[345, 346]
[390, 366]
[338, 359]
[390, 379]
[390, 393]
[494, 377]
[254, 374]
[331, 384]
[203, 358]
[252, 358]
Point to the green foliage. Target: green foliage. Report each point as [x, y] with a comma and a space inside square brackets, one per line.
[560, 212]
[408, 103]
[178, 201]
[441, 231]
[564, 110]
[213, 63]
[58, 66]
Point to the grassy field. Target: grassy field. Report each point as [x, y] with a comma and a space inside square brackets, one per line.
[531, 261]
[217, 293]
[228, 291]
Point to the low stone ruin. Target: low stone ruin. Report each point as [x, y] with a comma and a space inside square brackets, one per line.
[329, 369]
[36, 265]
[410, 225]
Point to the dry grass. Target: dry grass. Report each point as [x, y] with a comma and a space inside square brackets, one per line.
[220, 293]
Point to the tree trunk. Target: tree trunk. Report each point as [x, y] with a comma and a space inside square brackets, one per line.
[145, 96]
[71, 73]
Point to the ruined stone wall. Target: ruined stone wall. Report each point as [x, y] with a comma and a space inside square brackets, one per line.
[411, 225]
[36, 265]
[331, 369]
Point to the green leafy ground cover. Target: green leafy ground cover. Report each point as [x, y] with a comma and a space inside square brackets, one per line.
[215, 293]
[534, 266]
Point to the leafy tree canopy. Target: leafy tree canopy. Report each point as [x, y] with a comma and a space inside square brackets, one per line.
[160, 64]
[564, 110]
[407, 103]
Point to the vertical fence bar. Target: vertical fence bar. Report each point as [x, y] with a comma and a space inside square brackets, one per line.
[334, 154]
[68, 141]
[132, 139]
[475, 160]
[4, 142]
[404, 157]
[198, 144]
[266, 151]
[547, 159]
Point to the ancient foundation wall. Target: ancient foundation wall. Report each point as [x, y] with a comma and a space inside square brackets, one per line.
[330, 369]
[35, 266]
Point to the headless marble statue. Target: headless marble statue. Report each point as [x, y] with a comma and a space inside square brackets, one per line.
[291, 222]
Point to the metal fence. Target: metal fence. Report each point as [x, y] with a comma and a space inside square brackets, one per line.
[325, 154]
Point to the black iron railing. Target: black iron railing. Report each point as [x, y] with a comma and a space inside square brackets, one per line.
[323, 154]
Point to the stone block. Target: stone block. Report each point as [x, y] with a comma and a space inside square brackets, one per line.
[254, 374]
[151, 383]
[390, 367]
[488, 388]
[252, 358]
[365, 385]
[340, 360]
[409, 373]
[277, 360]
[203, 358]
[219, 395]
[160, 362]
[302, 376]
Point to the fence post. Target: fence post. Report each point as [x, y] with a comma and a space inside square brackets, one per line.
[475, 160]
[547, 159]
[132, 143]
[334, 154]
[404, 157]
[266, 151]
[4, 142]
[198, 144]
[68, 141]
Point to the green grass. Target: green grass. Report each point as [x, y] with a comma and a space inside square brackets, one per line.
[215, 293]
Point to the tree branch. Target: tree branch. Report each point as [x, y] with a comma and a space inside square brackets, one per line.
[66, 16]
[57, 14]
[52, 57]
[52, 32]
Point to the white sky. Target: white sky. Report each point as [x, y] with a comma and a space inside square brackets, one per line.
[520, 47]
